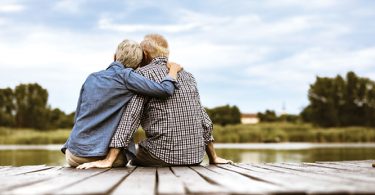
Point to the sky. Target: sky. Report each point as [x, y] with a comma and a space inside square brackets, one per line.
[255, 54]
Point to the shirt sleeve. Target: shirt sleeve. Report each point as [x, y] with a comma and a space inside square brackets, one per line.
[129, 122]
[144, 86]
[206, 121]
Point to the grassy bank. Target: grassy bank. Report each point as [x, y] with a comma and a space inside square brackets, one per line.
[289, 132]
[259, 133]
[30, 136]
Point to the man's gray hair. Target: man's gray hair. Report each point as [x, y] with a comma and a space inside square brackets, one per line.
[129, 53]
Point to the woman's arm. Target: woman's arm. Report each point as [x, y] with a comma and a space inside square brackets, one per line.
[144, 86]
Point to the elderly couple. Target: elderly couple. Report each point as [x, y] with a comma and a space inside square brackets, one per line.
[159, 95]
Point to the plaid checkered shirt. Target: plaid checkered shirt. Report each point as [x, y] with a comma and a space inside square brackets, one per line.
[177, 128]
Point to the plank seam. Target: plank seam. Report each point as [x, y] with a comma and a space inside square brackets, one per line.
[121, 180]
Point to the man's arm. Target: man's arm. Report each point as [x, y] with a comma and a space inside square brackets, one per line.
[213, 158]
[207, 135]
[129, 123]
[207, 126]
[206, 121]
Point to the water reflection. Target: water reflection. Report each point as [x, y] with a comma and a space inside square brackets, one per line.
[31, 157]
[52, 156]
[305, 155]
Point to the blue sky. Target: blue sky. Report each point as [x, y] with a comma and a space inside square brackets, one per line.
[256, 54]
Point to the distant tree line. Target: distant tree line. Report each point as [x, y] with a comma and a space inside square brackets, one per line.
[271, 116]
[341, 101]
[225, 115]
[26, 106]
[333, 102]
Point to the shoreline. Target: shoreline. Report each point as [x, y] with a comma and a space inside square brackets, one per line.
[241, 146]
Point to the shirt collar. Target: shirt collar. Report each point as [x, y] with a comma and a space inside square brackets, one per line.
[115, 64]
[159, 60]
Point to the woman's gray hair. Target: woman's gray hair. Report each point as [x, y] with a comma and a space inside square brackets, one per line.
[129, 53]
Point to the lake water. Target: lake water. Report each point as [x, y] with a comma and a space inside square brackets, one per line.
[17, 155]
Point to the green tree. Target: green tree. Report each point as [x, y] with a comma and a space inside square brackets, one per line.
[7, 107]
[291, 118]
[341, 102]
[58, 119]
[267, 116]
[225, 115]
[31, 106]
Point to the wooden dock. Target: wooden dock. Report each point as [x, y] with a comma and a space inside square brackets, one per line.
[344, 177]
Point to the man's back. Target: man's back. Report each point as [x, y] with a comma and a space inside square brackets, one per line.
[176, 128]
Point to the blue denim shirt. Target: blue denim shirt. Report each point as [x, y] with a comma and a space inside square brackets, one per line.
[102, 100]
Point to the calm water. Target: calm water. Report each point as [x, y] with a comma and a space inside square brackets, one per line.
[246, 153]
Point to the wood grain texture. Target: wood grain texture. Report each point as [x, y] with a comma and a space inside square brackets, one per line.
[345, 177]
[168, 182]
[107, 181]
[195, 184]
[66, 178]
[142, 181]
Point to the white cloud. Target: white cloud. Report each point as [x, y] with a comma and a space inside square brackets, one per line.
[58, 60]
[3, 21]
[107, 24]
[10, 8]
[299, 70]
[71, 6]
[304, 3]
[206, 55]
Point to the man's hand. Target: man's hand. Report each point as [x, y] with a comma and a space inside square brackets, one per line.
[96, 164]
[218, 160]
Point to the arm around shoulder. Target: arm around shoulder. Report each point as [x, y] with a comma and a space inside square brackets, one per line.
[144, 86]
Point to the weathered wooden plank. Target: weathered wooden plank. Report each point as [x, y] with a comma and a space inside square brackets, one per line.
[141, 181]
[67, 177]
[349, 177]
[237, 183]
[369, 171]
[348, 166]
[361, 164]
[107, 180]
[342, 183]
[168, 182]
[329, 171]
[295, 183]
[195, 184]
[257, 169]
[5, 168]
[14, 181]
[23, 170]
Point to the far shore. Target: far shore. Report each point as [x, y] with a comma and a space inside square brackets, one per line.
[300, 134]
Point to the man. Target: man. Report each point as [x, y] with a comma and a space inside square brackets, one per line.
[103, 97]
[178, 129]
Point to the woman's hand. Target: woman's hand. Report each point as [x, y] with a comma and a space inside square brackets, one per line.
[218, 160]
[96, 164]
[174, 67]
